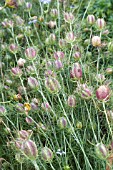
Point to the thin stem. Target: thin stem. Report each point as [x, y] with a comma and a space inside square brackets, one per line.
[35, 165]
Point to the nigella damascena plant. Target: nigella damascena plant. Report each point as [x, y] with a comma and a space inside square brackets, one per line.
[29, 148]
[62, 122]
[91, 19]
[30, 53]
[58, 64]
[84, 91]
[77, 55]
[54, 13]
[46, 106]
[96, 41]
[25, 134]
[2, 110]
[71, 101]
[100, 23]
[16, 71]
[52, 85]
[101, 151]
[33, 83]
[50, 73]
[13, 48]
[46, 154]
[70, 37]
[58, 55]
[103, 93]
[69, 17]
[21, 62]
[76, 71]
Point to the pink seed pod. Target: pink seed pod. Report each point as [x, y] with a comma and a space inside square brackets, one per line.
[109, 71]
[33, 106]
[91, 19]
[71, 101]
[47, 154]
[70, 37]
[30, 69]
[62, 43]
[69, 17]
[13, 48]
[103, 93]
[21, 62]
[23, 134]
[33, 83]
[16, 71]
[29, 148]
[28, 6]
[7, 23]
[59, 55]
[52, 85]
[30, 53]
[46, 106]
[18, 143]
[100, 77]
[100, 23]
[58, 64]
[2, 110]
[29, 120]
[52, 38]
[101, 151]
[77, 55]
[96, 41]
[84, 91]
[62, 122]
[54, 13]
[76, 71]
[50, 73]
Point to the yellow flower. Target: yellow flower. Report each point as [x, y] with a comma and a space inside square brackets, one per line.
[11, 3]
[27, 107]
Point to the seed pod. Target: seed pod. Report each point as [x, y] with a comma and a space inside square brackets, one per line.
[58, 64]
[109, 70]
[16, 71]
[100, 23]
[23, 134]
[47, 154]
[46, 106]
[62, 122]
[69, 17]
[54, 13]
[70, 37]
[2, 110]
[29, 120]
[84, 91]
[103, 93]
[91, 19]
[79, 125]
[59, 55]
[33, 83]
[76, 71]
[62, 43]
[101, 151]
[20, 107]
[30, 53]
[29, 148]
[28, 6]
[96, 41]
[13, 48]
[21, 62]
[52, 85]
[51, 24]
[77, 55]
[71, 101]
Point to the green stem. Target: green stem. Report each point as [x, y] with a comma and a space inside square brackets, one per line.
[35, 165]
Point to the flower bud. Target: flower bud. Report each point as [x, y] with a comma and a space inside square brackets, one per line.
[21, 62]
[30, 53]
[70, 37]
[58, 64]
[52, 85]
[96, 41]
[47, 154]
[69, 17]
[62, 122]
[71, 101]
[29, 148]
[13, 48]
[109, 71]
[33, 83]
[76, 71]
[100, 23]
[77, 55]
[59, 55]
[101, 151]
[79, 125]
[103, 93]
[16, 71]
[91, 19]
